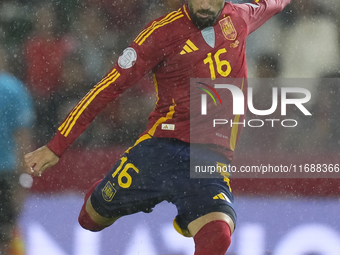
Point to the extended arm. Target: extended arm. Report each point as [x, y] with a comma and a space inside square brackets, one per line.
[140, 57]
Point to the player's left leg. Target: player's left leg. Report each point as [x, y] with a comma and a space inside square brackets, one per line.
[207, 215]
[212, 233]
[195, 226]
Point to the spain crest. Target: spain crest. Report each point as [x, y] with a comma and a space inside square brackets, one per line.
[228, 28]
[108, 192]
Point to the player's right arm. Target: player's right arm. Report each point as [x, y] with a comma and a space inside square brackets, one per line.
[146, 51]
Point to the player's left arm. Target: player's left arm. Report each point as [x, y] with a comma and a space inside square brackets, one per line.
[256, 13]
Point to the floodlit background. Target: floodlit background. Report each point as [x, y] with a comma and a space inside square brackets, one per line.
[60, 49]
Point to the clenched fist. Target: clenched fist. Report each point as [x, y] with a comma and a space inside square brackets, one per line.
[39, 160]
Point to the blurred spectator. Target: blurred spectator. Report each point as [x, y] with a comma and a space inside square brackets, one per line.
[124, 14]
[134, 108]
[16, 121]
[311, 50]
[73, 86]
[311, 47]
[266, 40]
[162, 7]
[44, 53]
[15, 25]
[267, 67]
[94, 42]
[125, 19]
[324, 131]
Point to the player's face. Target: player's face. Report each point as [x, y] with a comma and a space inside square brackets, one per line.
[204, 13]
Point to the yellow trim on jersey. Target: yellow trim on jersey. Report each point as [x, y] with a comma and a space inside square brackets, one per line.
[157, 24]
[69, 116]
[185, 11]
[152, 25]
[68, 124]
[168, 116]
[72, 113]
[234, 130]
[93, 95]
[183, 232]
[151, 132]
[227, 181]
[226, 175]
[140, 139]
[156, 87]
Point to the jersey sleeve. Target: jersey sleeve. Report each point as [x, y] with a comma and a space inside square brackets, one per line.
[144, 53]
[255, 14]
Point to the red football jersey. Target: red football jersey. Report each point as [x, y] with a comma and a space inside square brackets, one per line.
[175, 50]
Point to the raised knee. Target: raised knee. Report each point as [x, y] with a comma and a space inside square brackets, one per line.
[91, 220]
[213, 238]
[87, 223]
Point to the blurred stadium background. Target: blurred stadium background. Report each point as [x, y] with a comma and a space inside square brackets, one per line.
[61, 48]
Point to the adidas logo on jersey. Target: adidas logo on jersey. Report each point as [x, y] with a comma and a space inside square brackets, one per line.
[168, 126]
[188, 47]
[222, 196]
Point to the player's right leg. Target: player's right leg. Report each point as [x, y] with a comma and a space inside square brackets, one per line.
[88, 217]
[134, 184]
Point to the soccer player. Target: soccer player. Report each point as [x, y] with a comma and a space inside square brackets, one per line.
[203, 39]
